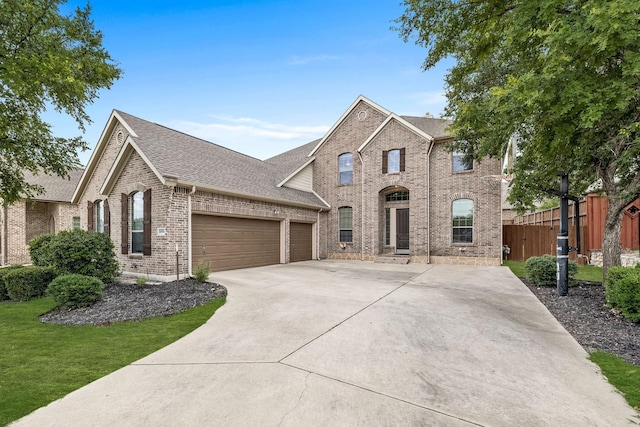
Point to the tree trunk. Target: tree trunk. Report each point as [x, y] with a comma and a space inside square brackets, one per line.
[611, 236]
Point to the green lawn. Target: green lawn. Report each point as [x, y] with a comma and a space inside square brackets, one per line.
[591, 273]
[40, 363]
[624, 376]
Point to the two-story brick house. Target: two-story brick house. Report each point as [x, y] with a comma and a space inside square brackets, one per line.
[394, 188]
[376, 184]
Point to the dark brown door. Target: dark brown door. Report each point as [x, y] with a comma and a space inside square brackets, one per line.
[300, 241]
[227, 243]
[402, 228]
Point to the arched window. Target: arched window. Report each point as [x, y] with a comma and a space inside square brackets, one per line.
[98, 215]
[345, 166]
[345, 224]
[393, 161]
[462, 214]
[137, 222]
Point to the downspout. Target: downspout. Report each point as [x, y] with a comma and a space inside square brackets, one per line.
[361, 206]
[189, 233]
[318, 236]
[501, 227]
[5, 237]
[429, 201]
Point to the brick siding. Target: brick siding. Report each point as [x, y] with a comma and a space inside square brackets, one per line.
[432, 186]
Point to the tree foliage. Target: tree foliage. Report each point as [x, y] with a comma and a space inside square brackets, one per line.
[47, 60]
[560, 77]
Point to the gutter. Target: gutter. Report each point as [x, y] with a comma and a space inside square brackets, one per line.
[189, 232]
[429, 201]
[243, 195]
[361, 207]
[4, 242]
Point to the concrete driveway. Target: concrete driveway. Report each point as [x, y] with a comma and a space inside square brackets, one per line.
[353, 343]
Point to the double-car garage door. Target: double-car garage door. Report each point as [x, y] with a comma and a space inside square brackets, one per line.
[226, 243]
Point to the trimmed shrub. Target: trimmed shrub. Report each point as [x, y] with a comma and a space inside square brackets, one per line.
[3, 272]
[543, 270]
[27, 283]
[623, 291]
[202, 273]
[614, 275]
[39, 249]
[84, 252]
[75, 290]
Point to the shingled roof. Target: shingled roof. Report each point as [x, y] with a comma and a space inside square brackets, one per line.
[194, 161]
[437, 128]
[56, 189]
[291, 160]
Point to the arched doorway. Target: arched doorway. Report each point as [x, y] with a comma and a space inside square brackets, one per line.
[395, 233]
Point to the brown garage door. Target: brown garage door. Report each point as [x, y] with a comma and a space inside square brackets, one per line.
[300, 241]
[226, 243]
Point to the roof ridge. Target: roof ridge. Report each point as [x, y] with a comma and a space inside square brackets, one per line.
[189, 135]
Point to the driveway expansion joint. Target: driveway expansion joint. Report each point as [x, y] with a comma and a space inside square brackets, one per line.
[388, 396]
[349, 318]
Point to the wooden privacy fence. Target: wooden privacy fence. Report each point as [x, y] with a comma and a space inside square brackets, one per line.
[525, 241]
[593, 211]
[551, 216]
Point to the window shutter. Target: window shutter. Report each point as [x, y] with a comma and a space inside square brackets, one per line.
[385, 161]
[402, 151]
[146, 221]
[124, 223]
[107, 218]
[90, 216]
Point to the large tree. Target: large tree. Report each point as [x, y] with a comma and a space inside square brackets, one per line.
[48, 60]
[560, 77]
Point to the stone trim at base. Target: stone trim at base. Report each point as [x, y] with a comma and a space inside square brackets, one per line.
[421, 259]
[461, 260]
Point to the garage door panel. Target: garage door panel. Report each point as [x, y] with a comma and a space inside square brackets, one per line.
[300, 241]
[231, 243]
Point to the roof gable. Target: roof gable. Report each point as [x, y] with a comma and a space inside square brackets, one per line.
[103, 142]
[358, 100]
[400, 120]
[184, 160]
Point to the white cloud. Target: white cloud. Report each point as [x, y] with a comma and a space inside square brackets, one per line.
[433, 102]
[255, 137]
[430, 98]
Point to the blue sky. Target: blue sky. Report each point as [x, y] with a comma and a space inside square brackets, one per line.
[259, 77]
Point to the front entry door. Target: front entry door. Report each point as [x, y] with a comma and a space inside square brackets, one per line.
[402, 230]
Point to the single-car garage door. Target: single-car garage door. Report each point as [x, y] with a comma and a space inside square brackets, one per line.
[300, 241]
[226, 243]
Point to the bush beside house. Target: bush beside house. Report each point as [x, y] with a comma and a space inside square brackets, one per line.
[26, 283]
[75, 290]
[88, 253]
[3, 288]
[543, 270]
[623, 291]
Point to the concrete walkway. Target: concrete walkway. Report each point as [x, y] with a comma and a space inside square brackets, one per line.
[353, 343]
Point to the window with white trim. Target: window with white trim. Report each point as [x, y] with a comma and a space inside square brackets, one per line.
[345, 224]
[459, 163]
[345, 167]
[137, 222]
[394, 161]
[462, 214]
[98, 216]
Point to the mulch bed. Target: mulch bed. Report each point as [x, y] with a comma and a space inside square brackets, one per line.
[131, 302]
